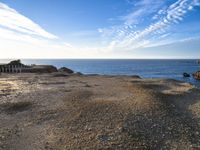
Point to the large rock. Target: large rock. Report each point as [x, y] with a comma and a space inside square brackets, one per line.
[197, 75]
[186, 75]
[66, 70]
[40, 69]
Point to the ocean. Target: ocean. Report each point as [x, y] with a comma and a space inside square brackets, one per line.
[145, 68]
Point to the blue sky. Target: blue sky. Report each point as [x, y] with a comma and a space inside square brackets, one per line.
[100, 29]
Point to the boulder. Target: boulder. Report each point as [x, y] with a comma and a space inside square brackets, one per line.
[66, 70]
[197, 75]
[136, 76]
[186, 75]
[40, 69]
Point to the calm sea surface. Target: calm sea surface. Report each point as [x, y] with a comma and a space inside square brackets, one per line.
[144, 68]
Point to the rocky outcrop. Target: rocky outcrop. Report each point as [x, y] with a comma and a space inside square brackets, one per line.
[186, 75]
[136, 77]
[66, 70]
[197, 75]
[41, 69]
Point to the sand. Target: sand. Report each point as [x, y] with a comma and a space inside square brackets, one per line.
[58, 111]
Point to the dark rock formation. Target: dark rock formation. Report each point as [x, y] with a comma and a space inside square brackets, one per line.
[41, 69]
[66, 70]
[186, 75]
[197, 75]
[136, 76]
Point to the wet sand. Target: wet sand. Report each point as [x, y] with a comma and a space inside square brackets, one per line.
[59, 111]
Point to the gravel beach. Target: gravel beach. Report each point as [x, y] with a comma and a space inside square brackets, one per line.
[58, 111]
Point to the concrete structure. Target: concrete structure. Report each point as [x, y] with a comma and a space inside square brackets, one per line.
[13, 67]
[17, 67]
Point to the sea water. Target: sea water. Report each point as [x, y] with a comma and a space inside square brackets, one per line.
[143, 67]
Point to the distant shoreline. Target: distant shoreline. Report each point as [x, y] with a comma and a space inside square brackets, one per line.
[145, 68]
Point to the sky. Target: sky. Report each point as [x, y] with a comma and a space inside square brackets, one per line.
[137, 29]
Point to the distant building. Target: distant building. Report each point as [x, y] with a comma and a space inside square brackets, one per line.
[17, 67]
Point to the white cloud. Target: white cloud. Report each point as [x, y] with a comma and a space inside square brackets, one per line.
[141, 9]
[131, 39]
[21, 37]
[11, 19]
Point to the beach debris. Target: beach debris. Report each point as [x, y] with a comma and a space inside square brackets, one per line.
[186, 75]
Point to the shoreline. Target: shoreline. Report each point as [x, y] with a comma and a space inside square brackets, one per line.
[72, 111]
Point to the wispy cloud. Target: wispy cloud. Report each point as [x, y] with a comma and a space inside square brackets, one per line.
[128, 38]
[23, 38]
[11, 19]
[141, 8]
[20, 34]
